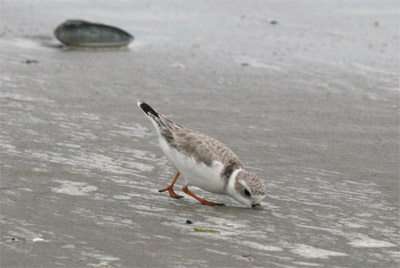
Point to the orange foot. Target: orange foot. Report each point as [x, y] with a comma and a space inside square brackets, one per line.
[205, 202]
[170, 188]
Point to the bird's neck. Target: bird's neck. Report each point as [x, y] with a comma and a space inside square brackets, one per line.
[230, 187]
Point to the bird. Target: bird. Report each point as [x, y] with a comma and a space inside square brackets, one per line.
[204, 162]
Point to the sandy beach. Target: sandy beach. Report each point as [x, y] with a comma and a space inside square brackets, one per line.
[306, 93]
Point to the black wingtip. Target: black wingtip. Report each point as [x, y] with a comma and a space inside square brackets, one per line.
[147, 108]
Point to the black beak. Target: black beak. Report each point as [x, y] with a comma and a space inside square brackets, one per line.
[255, 205]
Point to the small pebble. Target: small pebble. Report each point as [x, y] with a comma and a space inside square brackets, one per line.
[248, 256]
[31, 61]
[189, 222]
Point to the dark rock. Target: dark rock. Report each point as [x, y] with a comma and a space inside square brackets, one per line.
[79, 33]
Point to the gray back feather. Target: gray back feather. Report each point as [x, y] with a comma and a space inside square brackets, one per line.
[198, 146]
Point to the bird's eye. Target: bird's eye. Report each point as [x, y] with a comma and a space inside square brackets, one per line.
[246, 192]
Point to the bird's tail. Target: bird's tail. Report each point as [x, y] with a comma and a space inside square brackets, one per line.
[159, 121]
[147, 109]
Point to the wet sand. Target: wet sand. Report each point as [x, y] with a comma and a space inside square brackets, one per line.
[310, 103]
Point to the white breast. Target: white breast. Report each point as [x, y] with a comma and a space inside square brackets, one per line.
[195, 173]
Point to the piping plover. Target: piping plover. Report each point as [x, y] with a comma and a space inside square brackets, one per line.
[204, 162]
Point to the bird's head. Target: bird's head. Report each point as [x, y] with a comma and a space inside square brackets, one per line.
[246, 187]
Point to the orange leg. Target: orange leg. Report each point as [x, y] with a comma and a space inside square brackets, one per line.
[205, 202]
[170, 188]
